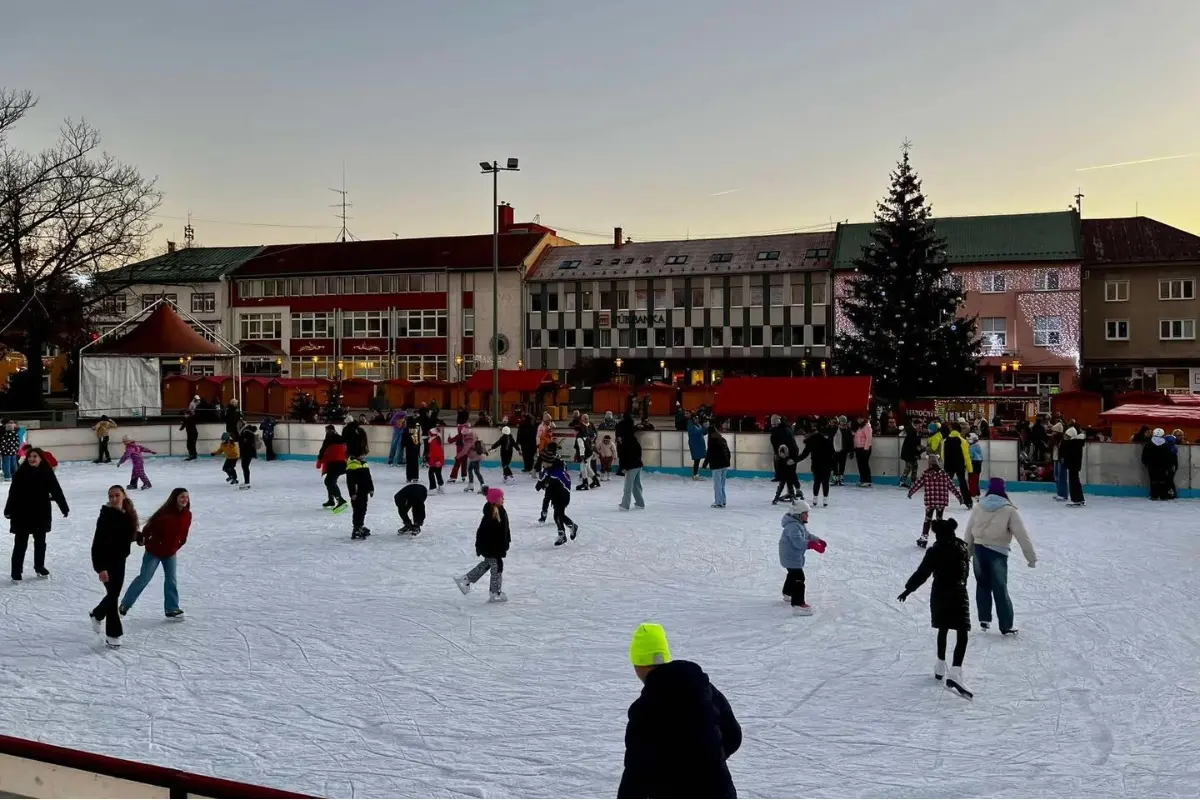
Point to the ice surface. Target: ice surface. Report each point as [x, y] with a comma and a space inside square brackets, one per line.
[312, 662]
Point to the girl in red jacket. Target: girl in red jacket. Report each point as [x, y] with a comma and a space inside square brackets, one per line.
[331, 460]
[938, 486]
[163, 535]
[437, 460]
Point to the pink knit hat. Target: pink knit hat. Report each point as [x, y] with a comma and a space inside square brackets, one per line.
[495, 494]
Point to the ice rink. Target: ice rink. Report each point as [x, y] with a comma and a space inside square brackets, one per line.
[311, 662]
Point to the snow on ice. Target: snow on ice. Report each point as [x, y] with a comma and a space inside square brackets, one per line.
[319, 664]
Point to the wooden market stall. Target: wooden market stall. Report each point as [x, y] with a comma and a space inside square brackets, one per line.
[281, 393]
[399, 393]
[178, 391]
[357, 392]
[1078, 405]
[699, 395]
[528, 387]
[793, 397]
[216, 389]
[254, 395]
[1128, 419]
[432, 391]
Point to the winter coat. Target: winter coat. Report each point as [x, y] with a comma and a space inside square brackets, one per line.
[10, 442]
[332, 455]
[864, 437]
[626, 432]
[464, 438]
[681, 731]
[545, 435]
[356, 440]
[718, 451]
[29, 497]
[358, 479]
[631, 455]
[113, 538]
[228, 449]
[583, 447]
[1156, 455]
[506, 444]
[248, 442]
[437, 453]
[104, 428]
[935, 442]
[268, 429]
[910, 450]
[782, 437]
[948, 562]
[493, 536]
[557, 483]
[957, 456]
[818, 448]
[696, 441]
[477, 451]
[976, 451]
[608, 423]
[134, 453]
[527, 435]
[166, 533]
[994, 523]
[1072, 454]
[606, 448]
[938, 486]
[232, 416]
[793, 542]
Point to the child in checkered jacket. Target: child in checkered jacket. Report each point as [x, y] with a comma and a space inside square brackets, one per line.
[938, 486]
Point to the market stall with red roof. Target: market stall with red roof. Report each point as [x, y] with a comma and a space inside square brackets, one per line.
[1128, 419]
[793, 397]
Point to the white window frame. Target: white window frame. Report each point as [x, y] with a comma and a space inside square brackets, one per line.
[264, 325]
[1043, 331]
[1186, 328]
[1042, 280]
[1116, 286]
[991, 280]
[313, 325]
[990, 330]
[208, 302]
[365, 325]
[819, 293]
[1113, 334]
[421, 324]
[1188, 284]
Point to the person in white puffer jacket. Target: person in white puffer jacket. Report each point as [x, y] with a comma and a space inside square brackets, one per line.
[993, 525]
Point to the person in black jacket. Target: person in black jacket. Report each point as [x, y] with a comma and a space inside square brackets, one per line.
[1071, 451]
[34, 486]
[507, 445]
[527, 441]
[948, 562]
[681, 729]
[116, 528]
[629, 455]
[233, 418]
[910, 451]
[356, 439]
[718, 459]
[361, 489]
[787, 453]
[247, 451]
[188, 426]
[819, 448]
[411, 498]
[626, 431]
[492, 539]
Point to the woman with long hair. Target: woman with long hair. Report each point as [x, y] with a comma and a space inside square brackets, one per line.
[165, 533]
[34, 486]
[116, 528]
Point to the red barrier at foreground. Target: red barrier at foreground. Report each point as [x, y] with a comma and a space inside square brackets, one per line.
[34, 769]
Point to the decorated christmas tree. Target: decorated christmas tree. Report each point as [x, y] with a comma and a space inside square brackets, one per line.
[334, 410]
[903, 308]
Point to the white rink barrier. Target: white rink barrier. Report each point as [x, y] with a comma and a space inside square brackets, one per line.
[1109, 468]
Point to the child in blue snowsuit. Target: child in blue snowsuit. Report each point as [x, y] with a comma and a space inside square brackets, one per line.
[556, 482]
[794, 543]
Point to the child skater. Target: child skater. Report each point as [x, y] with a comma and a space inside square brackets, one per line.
[412, 451]
[436, 460]
[507, 445]
[492, 539]
[819, 448]
[938, 487]
[546, 456]
[557, 484]
[134, 454]
[976, 451]
[116, 529]
[248, 451]
[583, 452]
[10, 448]
[411, 498]
[331, 460]
[361, 488]
[103, 430]
[607, 450]
[948, 562]
[474, 460]
[794, 543]
[228, 448]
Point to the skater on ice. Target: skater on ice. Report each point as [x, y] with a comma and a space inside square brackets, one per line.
[787, 454]
[103, 430]
[435, 462]
[34, 487]
[507, 445]
[863, 444]
[10, 448]
[843, 444]
[681, 729]
[398, 422]
[331, 460]
[228, 448]
[413, 433]
[819, 449]
[268, 436]
[492, 539]
[1074, 441]
[975, 450]
[606, 449]
[585, 455]
[361, 489]
[474, 463]
[191, 430]
[527, 441]
[163, 536]
[411, 500]
[717, 459]
[629, 451]
[948, 563]
[135, 454]
[247, 451]
[116, 528]
[555, 480]
[910, 453]
[696, 433]
[794, 543]
[993, 525]
[956, 460]
[938, 487]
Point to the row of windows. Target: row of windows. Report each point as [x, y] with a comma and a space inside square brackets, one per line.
[715, 258]
[1047, 332]
[359, 284]
[1117, 330]
[1175, 289]
[699, 297]
[355, 325]
[676, 337]
[202, 302]
[413, 368]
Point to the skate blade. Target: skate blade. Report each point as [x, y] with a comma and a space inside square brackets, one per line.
[960, 691]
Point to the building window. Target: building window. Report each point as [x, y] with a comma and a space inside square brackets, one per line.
[421, 368]
[623, 338]
[468, 328]
[697, 337]
[587, 298]
[313, 367]
[767, 255]
[735, 296]
[598, 262]
[1046, 281]
[993, 282]
[262, 326]
[1177, 329]
[606, 337]
[660, 337]
[552, 300]
[738, 337]
[418, 324]
[570, 337]
[570, 300]
[676, 260]
[818, 335]
[776, 336]
[533, 338]
[589, 337]
[776, 291]
[641, 296]
[756, 295]
[639, 337]
[622, 300]
[374, 324]
[797, 335]
[310, 325]
[1116, 291]
[114, 304]
[797, 292]
[554, 337]
[716, 297]
[1177, 290]
[574, 264]
[261, 366]
[628, 261]
[648, 260]
[720, 258]
[150, 299]
[204, 302]
[678, 297]
[994, 333]
[1047, 331]
[697, 297]
[819, 293]
[717, 336]
[1116, 330]
[660, 297]
[756, 336]
[677, 337]
[206, 331]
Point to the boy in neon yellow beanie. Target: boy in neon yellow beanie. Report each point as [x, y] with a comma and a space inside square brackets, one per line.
[681, 728]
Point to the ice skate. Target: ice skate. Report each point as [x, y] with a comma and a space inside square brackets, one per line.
[802, 610]
[561, 540]
[327, 504]
[145, 486]
[404, 530]
[112, 642]
[123, 609]
[498, 597]
[416, 530]
[695, 477]
[366, 531]
[825, 503]
[1009, 632]
[462, 585]
[357, 534]
[97, 625]
[954, 681]
[574, 531]
[470, 488]
[542, 519]
[983, 626]
[42, 572]
[595, 484]
[923, 542]
[175, 614]
[441, 490]
[340, 506]
[452, 480]
[717, 505]
[939, 669]
[581, 487]
[244, 486]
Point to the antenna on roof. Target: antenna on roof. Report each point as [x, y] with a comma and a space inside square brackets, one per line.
[189, 233]
[343, 205]
[1079, 202]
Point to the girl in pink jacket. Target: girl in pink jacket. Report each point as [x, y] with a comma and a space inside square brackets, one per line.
[863, 438]
[133, 454]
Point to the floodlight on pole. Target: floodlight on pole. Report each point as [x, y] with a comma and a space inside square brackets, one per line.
[493, 167]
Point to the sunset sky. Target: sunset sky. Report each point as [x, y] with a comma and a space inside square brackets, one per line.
[690, 117]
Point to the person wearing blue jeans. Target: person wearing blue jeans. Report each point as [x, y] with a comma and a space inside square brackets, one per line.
[150, 564]
[991, 583]
[633, 485]
[163, 535]
[993, 525]
[719, 487]
[396, 453]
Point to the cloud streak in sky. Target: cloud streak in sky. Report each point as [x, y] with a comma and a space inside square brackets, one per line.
[1139, 161]
[724, 192]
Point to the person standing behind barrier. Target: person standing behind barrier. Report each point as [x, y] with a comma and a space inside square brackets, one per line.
[104, 429]
[717, 458]
[863, 444]
[163, 536]
[631, 464]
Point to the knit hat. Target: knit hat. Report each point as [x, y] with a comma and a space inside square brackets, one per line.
[996, 486]
[495, 494]
[944, 528]
[649, 647]
[1159, 432]
[973, 438]
[506, 430]
[798, 508]
[225, 437]
[934, 461]
[933, 427]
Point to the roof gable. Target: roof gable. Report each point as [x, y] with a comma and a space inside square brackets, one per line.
[994, 239]
[189, 265]
[163, 333]
[1136, 240]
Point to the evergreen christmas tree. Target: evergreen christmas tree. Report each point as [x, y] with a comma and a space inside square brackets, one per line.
[902, 306]
[334, 410]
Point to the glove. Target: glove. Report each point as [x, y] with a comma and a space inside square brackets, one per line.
[817, 544]
[903, 596]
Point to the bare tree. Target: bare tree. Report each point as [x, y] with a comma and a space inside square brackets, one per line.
[66, 214]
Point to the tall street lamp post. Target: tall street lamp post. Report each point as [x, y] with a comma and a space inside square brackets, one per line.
[495, 169]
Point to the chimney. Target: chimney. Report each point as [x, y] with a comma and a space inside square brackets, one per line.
[618, 239]
[506, 217]
[170, 247]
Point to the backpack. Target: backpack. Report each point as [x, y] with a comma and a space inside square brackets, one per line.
[478, 447]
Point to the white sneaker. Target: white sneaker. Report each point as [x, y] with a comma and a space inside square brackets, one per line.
[954, 681]
[462, 584]
[112, 642]
[500, 597]
[939, 669]
[97, 625]
[802, 611]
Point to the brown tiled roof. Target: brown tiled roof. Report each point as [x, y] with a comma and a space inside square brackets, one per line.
[1136, 240]
[390, 255]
